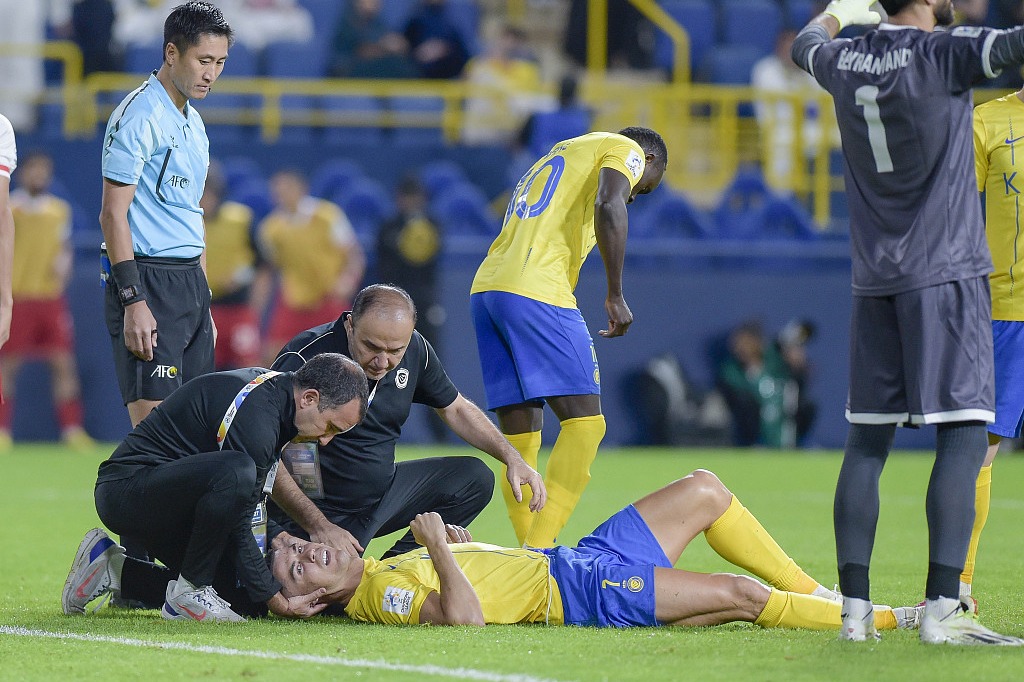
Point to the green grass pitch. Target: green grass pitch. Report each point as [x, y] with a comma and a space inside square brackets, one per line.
[47, 506]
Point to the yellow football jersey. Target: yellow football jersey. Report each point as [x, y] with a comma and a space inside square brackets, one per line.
[230, 258]
[549, 225]
[513, 585]
[310, 249]
[998, 130]
[42, 226]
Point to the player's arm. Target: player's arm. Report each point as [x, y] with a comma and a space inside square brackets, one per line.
[6, 259]
[456, 603]
[140, 335]
[289, 497]
[473, 426]
[610, 226]
[838, 15]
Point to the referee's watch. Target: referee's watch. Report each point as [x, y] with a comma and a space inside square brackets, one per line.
[129, 294]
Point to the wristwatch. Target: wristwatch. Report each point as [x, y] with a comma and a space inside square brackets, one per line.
[128, 294]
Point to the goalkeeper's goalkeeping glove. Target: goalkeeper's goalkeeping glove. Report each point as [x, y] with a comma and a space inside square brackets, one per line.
[853, 12]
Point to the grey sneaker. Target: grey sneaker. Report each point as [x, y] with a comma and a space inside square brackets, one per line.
[203, 605]
[950, 621]
[858, 621]
[90, 572]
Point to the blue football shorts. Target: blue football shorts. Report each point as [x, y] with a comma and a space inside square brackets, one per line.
[1008, 348]
[607, 580]
[531, 350]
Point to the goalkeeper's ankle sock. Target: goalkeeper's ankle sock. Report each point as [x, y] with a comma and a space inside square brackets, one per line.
[982, 502]
[566, 476]
[528, 444]
[740, 539]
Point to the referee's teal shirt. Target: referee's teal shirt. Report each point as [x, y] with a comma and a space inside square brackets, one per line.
[151, 144]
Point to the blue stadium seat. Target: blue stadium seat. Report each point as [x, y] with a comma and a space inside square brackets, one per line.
[396, 12]
[419, 109]
[698, 18]
[334, 177]
[256, 196]
[463, 210]
[241, 62]
[797, 13]
[298, 107]
[326, 14]
[551, 127]
[295, 60]
[437, 176]
[51, 121]
[142, 58]
[218, 112]
[240, 171]
[668, 214]
[729, 64]
[753, 23]
[784, 218]
[746, 194]
[367, 204]
[346, 108]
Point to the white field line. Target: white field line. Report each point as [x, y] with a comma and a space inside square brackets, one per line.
[461, 673]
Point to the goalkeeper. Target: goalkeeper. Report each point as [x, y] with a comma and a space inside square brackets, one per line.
[621, 575]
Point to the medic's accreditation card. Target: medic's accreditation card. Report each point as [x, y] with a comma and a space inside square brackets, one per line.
[303, 461]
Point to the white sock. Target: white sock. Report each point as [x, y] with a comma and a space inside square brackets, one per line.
[825, 593]
[965, 589]
[181, 586]
[114, 566]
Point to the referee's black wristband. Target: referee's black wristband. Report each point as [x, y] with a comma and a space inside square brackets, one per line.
[127, 281]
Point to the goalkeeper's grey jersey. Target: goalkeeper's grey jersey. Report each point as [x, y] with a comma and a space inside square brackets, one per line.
[904, 106]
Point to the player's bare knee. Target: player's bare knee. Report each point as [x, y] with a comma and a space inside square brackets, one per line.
[709, 488]
[749, 595]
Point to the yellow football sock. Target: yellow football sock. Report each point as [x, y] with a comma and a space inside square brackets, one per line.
[567, 474]
[792, 610]
[740, 539]
[982, 501]
[528, 445]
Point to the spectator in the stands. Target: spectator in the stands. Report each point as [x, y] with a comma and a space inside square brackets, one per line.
[366, 47]
[630, 36]
[92, 29]
[505, 88]
[436, 44]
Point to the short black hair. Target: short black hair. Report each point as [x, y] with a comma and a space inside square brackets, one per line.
[338, 378]
[650, 141]
[187, 23]
[377, 294]
[892, 7]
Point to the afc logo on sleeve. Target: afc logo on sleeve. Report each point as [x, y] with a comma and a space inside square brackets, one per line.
[635, 164]
[397, 600]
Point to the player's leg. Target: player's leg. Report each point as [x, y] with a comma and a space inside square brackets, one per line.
[567, 474]
[67, 399]
[494, 318]
[698, 599]
[457, 488]
[700, 502]
[9, 366]
[1008, 356]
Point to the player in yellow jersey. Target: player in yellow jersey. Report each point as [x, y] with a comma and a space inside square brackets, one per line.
[240, 282]
[533, 341]
[621, 575]
[998, 139]
[43, 328]
[317, 254]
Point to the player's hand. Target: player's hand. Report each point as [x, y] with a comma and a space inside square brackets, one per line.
[853, 13]
[140, 330]
[428, 529]
[619, 317]
[457, 534]
[338, 538]
[302, 606]
[519, 473]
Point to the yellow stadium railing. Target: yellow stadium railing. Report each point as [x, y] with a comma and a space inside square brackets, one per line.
[70, 57]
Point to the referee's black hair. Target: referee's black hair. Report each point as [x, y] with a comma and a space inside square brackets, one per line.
[188, 22]
[337, 378]
[892, 7]
[650, 141]
[376, 294]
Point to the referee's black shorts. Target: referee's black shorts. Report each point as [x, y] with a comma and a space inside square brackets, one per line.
[179, 298]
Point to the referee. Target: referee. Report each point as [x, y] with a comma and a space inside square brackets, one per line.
[155, 158]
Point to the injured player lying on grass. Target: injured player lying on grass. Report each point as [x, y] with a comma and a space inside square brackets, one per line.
[621, 575]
